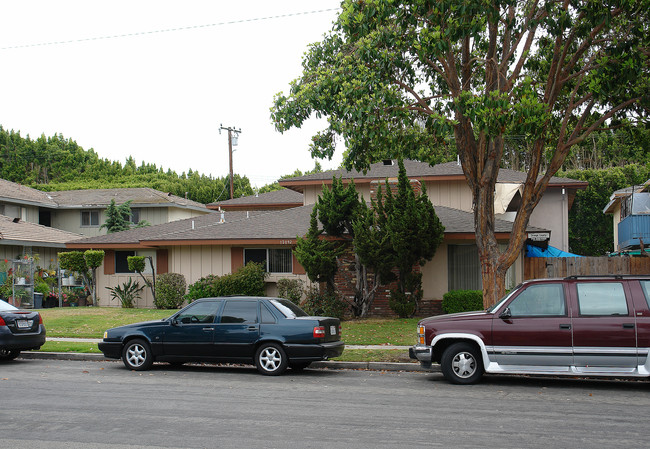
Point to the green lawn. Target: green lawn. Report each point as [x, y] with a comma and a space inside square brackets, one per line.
[91, 322]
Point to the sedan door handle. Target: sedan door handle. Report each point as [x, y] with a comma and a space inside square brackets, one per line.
[252, 328]
[628, 325]
[208, 328]
[565, 326]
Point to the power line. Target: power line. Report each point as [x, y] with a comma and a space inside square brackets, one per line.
[168, 30]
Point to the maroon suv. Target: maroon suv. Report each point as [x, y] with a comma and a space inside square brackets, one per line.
[580, 325]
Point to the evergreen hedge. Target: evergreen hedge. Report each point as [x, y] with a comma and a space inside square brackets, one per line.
[462, 301]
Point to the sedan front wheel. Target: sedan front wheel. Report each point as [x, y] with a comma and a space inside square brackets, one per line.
[136, 355]
[270, 359]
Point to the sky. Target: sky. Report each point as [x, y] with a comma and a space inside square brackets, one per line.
[157, 79]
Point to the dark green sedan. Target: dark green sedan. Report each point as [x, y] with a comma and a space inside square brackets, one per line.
[270, 333]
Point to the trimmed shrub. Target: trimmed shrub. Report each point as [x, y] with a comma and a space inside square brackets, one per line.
[462, 301]
[170, 291]
[323, 304]
[248, 281]
[290, 289]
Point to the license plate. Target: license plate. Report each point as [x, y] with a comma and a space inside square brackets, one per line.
[24, 324]
[332, 330]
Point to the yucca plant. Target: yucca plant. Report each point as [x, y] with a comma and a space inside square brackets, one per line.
[126, 293]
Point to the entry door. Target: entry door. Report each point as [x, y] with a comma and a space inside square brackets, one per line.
[535, 329]
[238, 330]
[604, 330]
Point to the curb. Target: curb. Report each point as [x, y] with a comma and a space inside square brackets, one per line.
[334, 365]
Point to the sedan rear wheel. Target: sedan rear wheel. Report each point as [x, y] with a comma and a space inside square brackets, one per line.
[270, 359]
[461, 363]
[8, 354]
[136, 355]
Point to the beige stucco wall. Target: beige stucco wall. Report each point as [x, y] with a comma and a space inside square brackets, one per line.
[194, 262]
[435, 273]
[70, 220]
[25, 213]
[552, 213]
[46, 256]
[454, 194]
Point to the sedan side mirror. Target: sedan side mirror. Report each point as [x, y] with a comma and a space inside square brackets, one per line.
[506, 314]
[174, 322]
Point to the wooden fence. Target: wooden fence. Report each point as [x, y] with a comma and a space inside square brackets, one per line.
[557, 267]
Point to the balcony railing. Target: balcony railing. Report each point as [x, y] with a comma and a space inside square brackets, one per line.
[631, 229]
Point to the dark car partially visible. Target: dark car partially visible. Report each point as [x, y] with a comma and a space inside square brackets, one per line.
[271, 333]
[20, 330]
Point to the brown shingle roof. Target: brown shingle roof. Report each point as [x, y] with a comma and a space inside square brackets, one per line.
[278, 226]
[139, 197]
[12, 192]
[414, 169]
[280, 198]
[18, 232]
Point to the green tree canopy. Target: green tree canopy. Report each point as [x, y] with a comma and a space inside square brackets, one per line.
[402, 77]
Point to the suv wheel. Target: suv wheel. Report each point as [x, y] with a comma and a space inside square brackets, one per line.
[136, 355]
[461, 363]
[270, 359]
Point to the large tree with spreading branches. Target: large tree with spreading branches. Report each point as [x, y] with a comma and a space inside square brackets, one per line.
[410, 77]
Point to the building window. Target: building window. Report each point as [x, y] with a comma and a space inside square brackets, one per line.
[89, 218]
[135, 216]
[464, 268]
[121, 263]
[274, 260]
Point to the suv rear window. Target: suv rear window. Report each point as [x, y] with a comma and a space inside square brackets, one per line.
[646, 290]
[602, 299]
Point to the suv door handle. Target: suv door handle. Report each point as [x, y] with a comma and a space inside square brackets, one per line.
[252, 328]
[565, 326]
[628, 325]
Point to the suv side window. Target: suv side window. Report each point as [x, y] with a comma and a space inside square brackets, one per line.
[239, 312]
[539, 300]
[646, 290]
[602, 299]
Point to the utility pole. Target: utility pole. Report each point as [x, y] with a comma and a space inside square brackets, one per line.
[231, 130]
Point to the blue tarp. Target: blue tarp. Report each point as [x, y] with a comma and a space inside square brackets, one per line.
[551, 251]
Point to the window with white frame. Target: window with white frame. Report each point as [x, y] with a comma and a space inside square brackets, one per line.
[89, 218]
[274, 260]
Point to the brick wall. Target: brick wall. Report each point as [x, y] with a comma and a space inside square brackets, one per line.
[345, 281]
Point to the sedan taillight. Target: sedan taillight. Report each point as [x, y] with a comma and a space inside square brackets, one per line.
[40, 319]
[2, 322]
[319, 332]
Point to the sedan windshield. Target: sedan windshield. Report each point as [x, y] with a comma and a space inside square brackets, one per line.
[288, 309]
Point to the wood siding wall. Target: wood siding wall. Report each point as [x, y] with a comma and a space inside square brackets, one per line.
[552, 267]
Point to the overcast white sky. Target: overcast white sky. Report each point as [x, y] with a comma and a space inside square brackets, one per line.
[162, 96]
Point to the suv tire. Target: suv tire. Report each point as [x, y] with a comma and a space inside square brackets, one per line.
[461, 363]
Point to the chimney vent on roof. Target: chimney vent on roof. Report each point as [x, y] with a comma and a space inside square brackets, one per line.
[192, 225]
[223, 217]
[388, 162]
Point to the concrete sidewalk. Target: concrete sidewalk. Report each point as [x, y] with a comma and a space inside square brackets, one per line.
[332, 364]
[97, 340]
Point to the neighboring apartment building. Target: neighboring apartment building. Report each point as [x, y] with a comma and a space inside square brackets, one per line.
[221, 243]
[84, 211]
[630, 208]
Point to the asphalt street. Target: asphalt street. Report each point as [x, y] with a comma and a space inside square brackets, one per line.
[100, 404]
